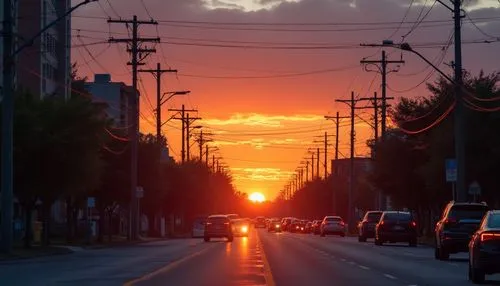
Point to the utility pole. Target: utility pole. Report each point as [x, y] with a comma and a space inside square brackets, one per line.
[201, 145]
[213, 163]
[138, 54]
[336, 120]
[307, 170]
[312, 166]
[206, 154]
[7, 128]
[317, 162]
[326, 155]
[183, 111]
[382, 69]
[188, 135]
[157, 73]
[459, 108]
[202, 141]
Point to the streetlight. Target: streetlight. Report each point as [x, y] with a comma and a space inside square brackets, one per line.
[172, 94]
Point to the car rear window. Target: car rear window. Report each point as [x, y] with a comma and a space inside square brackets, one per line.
[199, 221]
[397, 217]
[494, 221]
[333, 219]
[218, 219]
[373, 217]
[468, 212]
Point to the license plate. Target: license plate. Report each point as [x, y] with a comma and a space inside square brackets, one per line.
[397, 227]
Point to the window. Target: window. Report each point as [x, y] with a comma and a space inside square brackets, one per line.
[397, 216]
[494, 221]
[373, 217]
[459, 212]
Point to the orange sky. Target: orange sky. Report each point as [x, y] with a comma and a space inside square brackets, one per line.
[264, 106]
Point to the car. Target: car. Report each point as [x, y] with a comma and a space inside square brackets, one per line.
[218, 226]
[396, 226]
[366, 227]
[484, 248]
[260, 222]
[332, 225]
[316, 227]
[458, 223]
[286, 224]
[274, 225]
[296, 226]
[233, 216]
[198, 230]
[240, 227]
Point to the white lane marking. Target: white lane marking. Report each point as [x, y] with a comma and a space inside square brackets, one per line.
[454, 264]
[352, 262]
[364, 267]
[413, 285]
[343, 260]
[390, 276]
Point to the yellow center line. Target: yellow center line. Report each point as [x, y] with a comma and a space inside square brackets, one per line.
[268, 275]
[167, 267]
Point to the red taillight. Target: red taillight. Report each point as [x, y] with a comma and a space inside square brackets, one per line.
[489, 236]
[413, 224]
[342, 223]
[381, 223]
[208, 223]
[226, 223]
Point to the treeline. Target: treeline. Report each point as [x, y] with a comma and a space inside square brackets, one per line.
[66, 150]
[409, 165]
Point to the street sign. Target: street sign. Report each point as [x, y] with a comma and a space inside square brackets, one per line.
[474, 189]
[91, 202]
[451, 170]
[139, 192]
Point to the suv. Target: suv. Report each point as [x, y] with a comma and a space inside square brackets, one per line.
[218, 226]
[260, 221]
[396, 226]
[456, 227]
[366, 227]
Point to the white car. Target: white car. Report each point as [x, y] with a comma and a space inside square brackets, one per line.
[332, 225]
[198, 230]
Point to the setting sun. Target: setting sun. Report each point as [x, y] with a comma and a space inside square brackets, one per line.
[257, 197]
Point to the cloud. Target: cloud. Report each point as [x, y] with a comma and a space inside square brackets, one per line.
[256, 119]
[260, 174]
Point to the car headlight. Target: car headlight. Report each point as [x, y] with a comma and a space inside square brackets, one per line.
[244, 228]
[277, 226]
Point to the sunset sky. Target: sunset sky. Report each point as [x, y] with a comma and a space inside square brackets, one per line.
[263, 73]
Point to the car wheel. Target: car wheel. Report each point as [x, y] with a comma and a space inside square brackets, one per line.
[478, 276]
[342, 235]
[436, 253]
[230, 239]
[206, 239]
[378, 242]
[322, 234]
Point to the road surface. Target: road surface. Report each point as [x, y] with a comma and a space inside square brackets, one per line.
[262, 259]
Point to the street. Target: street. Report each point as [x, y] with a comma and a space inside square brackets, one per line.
[261, 259]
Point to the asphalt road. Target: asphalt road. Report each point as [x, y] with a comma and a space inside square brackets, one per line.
[261, 259]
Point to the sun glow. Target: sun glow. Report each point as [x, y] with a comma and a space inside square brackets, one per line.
[257, 197]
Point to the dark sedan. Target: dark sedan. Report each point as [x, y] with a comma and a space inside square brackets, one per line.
[484, 248]
[395, 226]
[366, 227]
[218, 226]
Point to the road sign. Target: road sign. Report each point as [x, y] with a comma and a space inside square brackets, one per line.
[451, 170]
[139, 192]
[474, 189]
[91, 202]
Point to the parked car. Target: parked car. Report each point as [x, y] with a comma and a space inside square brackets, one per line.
[332, 225]
[198, 230]
[454, 230]
[396, 226]
[484, 248]
[366, 227]
[218, 226]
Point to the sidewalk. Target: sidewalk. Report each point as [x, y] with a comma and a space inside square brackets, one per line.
[62, 247]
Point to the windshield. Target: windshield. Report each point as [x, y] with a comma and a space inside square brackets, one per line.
[494, 220]
[333, 219]
[467, 212]
[373, 217]
[397, 217]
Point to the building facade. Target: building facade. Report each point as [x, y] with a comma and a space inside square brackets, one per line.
[116, 95]
[44, 68]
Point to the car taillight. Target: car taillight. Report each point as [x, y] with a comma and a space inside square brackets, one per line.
[342, 223]
[413, 224]
[208, 223]
[489, 236]
[226, 223]
[382, 223]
